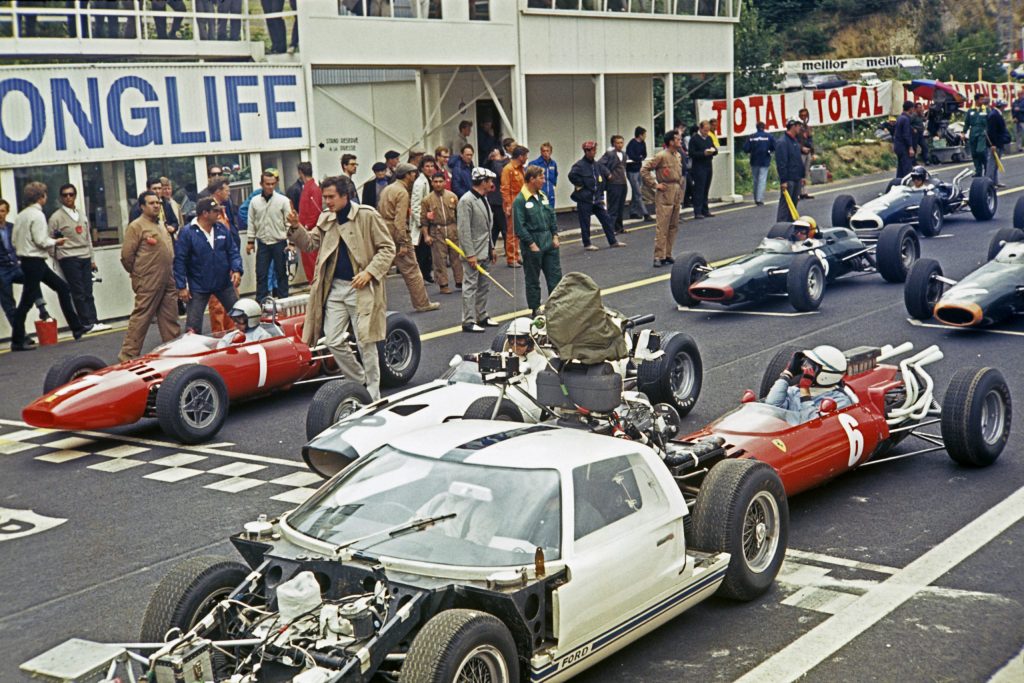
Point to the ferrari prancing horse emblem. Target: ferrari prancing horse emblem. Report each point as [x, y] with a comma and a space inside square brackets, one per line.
[779, 444]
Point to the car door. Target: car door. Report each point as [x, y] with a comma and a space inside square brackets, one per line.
[626, 551]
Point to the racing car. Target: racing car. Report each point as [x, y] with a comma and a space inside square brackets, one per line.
[188, 383]
[798, 269]
[989, 295]
[471, 551]
[925, 207]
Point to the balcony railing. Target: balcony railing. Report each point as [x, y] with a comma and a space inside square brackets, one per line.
[678, 8]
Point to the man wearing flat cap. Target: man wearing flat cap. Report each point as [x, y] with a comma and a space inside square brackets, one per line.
[393, 205]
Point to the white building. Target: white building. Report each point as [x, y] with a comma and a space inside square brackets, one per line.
[105, 113]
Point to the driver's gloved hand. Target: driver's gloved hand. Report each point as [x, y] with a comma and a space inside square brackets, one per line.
[795, 364]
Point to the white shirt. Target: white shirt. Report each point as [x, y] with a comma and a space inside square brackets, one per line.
[71, 212]
[209, 234]
[30, 236]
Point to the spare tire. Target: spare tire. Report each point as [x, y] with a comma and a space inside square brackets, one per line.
[675, 377]
[897, 250]
[1002, 236]
[399, 352]
[976, 415]
[983, 199]
[843, 208]
[70, 368]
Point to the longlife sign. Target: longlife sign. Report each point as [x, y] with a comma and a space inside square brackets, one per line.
[826, 107]
[75, 114]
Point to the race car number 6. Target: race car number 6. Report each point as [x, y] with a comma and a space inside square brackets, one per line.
[261, 354]
[854, 435]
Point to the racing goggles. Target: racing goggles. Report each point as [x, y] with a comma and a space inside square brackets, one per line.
[520, 340]
[241, 319]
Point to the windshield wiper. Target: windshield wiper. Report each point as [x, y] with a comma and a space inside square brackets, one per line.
[399, 530]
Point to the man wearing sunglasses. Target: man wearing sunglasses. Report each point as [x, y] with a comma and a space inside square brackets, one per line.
[75, 254]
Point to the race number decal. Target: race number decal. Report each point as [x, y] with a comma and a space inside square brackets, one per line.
[18, 523]
[854, 435]
[261, 354]
[821, 257]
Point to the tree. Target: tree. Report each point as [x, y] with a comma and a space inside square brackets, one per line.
[963, 57]
[758, 53]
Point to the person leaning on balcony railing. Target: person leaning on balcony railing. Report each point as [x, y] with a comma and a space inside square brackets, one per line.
[160, 20]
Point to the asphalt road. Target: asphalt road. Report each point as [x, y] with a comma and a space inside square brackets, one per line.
[904, 571]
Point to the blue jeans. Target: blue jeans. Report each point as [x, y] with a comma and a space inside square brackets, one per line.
[760, 174]
[636, 202]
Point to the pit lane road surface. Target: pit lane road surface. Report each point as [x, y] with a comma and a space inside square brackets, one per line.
[907, 570]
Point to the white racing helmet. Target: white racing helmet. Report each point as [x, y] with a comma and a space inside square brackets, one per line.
[248, 308]
[520, 327]
[832, 364]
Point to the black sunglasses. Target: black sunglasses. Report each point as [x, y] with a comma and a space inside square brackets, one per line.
[68, 194]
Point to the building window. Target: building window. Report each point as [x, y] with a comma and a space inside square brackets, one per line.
[403, 9]
[53, 176]
[480, 10]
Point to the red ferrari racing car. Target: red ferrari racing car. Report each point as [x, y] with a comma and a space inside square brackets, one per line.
[188, 383]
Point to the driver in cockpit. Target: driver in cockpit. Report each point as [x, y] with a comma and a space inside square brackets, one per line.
[919, 177]
[817, 374]
[802, 232]
[246, 316]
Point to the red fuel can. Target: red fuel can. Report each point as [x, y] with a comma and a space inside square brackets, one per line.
[46, 332]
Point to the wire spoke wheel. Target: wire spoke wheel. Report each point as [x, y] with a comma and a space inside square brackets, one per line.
[199, 404]
[760, 531]
[993, 417]
[483, 664]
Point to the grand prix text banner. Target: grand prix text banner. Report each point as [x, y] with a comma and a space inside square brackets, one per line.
[826, 107]
[997, 91]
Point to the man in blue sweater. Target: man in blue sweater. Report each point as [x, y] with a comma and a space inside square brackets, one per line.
[790, 166]
[206, 263]
[903, 141]
[760, 146]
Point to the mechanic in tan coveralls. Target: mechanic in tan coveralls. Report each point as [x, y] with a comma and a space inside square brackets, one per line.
[148, 255]
[393, 205]
[664, 173]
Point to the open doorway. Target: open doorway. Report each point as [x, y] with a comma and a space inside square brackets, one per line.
[489, 131]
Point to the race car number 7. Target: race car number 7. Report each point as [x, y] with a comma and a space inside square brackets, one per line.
[854, 435]
[261, 354]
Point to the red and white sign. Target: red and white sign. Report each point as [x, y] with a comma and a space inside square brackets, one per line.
[997, 91]
[826, 107]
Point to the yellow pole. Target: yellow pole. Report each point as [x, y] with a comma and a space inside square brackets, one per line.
[478, 266]
[999, 163]
[790, 204]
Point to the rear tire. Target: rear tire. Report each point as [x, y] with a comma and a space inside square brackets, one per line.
[192, 403]
[685, 271]
[498, 343]
[456, 644]
[843, 208]
[483, 409]
[399, 352]
[332, 402]
[976, 416]
[921, 291]
[983, 199]
[1003, 235]
[897, 250]
[1018, 214]
[70, 368]
[929, 216]
[741, 509]
[676, 377]
[775, 366]
[188, 592]
[805, 283]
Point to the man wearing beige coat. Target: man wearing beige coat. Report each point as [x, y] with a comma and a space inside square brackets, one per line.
[355, 253]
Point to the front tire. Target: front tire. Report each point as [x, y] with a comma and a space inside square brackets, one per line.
[69, 369]
[677, 376]
[982, 199]
[929, 216]
[188, 592]
[976, 416]
[1002, 236]
[922, 290]
[897, 250]
[192, 403]
[399, 352]
[461, 645]
[843, 208]
[332, 402]
[687, 269]
[805, 283]
[741, 509]
[483, 409]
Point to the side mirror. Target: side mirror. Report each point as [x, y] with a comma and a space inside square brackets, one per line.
[827, 406]
[749, 396]
[456, 360]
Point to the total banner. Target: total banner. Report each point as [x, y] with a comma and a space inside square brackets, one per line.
[826, 107]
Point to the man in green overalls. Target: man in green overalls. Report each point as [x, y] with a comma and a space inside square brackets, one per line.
[976, 127]
[537, 230]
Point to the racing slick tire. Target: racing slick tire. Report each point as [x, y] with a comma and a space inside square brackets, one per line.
[70, 368]
[982, 199]
[921, 291]
[976, 415]
[897, 250]
[686, 271]
[805, 283]
[1003, 235]
[741, 509]
[775, 366]
[335, 400]
[498, 343]
[1018, 214]
[676, 377]
[457, 643]
[843, 208]
[192, 403]
[399, 352]
[483, 409]
[188, 592]
[929, 216]
[780, 230]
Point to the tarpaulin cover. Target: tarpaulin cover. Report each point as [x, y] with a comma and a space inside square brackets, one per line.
[579, 325]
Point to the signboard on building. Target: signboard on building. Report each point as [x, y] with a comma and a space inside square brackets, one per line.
[808, 66]
[826, 107]
[71, 114]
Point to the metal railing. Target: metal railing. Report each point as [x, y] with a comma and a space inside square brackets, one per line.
[725, 9]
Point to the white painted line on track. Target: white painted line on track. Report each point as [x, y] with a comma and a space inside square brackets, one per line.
[252, 457]
[841, 561]
[968, 330]
[1013, 672]
[812, 648]
[772, 314]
